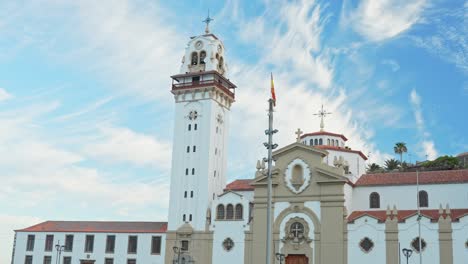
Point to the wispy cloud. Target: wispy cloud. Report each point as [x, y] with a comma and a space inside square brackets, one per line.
[118, 144]
[4, 95]
[428, 146]
[393, 64]
[384, 19]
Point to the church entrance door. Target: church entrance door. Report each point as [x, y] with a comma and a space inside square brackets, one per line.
[297, 259]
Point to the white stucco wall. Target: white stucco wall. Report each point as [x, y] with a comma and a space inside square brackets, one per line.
[460, 237]
[361, 228]
[429, 233]
[404, 196]
[120, 256]
[233, 229]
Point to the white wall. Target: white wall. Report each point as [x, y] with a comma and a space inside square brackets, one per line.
[120, 256]
[460, 237]
[361, 228]
[233, 229]
[429, 233]
[404, 196]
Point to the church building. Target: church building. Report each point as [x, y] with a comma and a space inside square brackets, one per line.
[326, 209]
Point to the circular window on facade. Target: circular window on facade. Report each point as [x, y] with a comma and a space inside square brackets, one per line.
[228, 244]
[366, 245]
[193, 115]
[415, 244]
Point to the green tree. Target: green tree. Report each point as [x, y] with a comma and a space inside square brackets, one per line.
[443, 163]
[400, 148]
[391, 164]
[374, 168]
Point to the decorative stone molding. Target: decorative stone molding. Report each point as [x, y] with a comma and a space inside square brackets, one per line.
[296, 232]
[297, 176]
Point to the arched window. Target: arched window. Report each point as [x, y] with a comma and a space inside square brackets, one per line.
[229, 211]
[221, 62]
[336, 143]
[194, 58]
[328, 142]
[315, 142]
[374, 200]
[311, 142]
[193, 171]
[423, 199]
[320, 142]
[333, 142]
[202, 57]
[239, 211]
[220, 212]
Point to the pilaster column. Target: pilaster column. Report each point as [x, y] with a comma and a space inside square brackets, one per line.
[445, 236]
[391, 236]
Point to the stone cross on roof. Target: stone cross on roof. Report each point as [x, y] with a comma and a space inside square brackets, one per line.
[322, 113]
[298, 133]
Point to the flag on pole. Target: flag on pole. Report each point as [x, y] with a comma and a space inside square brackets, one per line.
[273, 95]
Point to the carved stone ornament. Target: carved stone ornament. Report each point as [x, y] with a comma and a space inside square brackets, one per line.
[297, 176]
[296, 232]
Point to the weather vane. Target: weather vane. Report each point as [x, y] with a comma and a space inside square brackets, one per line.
[322, 113]
[207, 21]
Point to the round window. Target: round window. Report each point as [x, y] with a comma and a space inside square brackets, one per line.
[366, 244]
[415, 244]
[228, 244]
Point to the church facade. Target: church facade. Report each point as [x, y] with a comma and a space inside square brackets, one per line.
[326, 209]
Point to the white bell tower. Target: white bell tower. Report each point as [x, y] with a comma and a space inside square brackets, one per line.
[203, 97]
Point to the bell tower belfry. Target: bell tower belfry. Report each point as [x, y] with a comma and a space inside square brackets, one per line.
[203, 97]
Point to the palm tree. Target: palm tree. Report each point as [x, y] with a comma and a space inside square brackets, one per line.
[391, 164]
[400, 148]
[373, 168]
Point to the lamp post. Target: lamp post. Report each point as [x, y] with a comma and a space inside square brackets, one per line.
[280, 257]
[59, 248]
[177, 252]
[407, 253]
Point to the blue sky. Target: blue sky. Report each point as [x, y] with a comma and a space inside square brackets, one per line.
[86, 115]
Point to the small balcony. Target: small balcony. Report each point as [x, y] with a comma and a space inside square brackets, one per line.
[187, 81]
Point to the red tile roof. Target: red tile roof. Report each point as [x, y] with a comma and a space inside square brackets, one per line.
[402, 215]
[240, 185]
[327, 147]
[405, 178]
[324, 133]
[98, 227]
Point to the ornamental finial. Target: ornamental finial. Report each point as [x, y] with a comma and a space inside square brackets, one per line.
[207, 21]
[322, 113]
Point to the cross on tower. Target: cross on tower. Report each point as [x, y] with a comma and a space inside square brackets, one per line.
[207, 21]
[322, 113]
[298, 133]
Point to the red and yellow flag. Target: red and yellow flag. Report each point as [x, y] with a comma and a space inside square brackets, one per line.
[273, 95]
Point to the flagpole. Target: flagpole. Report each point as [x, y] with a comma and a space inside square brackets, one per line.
[270, 146]
[419, 218]
[270, 141]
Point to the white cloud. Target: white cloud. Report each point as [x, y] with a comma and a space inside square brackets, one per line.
[429, 149]
[392, 64]
[118, 144]
[415, 100]
[4, 95]
[384, 19]
[426, 146]
[291, 40]
[9, 223]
